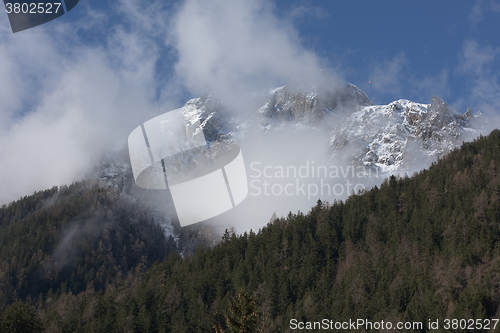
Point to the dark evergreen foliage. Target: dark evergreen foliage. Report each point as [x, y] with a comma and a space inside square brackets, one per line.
[20, 318]
[242, 316]
[418, 248]
[83, 236]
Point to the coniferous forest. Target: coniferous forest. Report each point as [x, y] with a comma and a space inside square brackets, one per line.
[420, 248]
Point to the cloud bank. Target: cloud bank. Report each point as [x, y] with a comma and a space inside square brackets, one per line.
[393, 76]
[476, 65]
[64, 101]
[71, 92]
[233, 47]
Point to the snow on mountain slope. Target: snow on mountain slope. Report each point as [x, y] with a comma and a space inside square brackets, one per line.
[382, 135]
[402, 136]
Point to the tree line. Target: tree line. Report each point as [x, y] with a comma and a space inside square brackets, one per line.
[415, 248]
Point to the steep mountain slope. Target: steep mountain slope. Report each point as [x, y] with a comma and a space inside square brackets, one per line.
[66, 239]
[339, 123]
[388, 137]
[413, 249]
[376, 135]
[310, 107]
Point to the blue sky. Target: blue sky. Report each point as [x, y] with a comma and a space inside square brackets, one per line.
[73, 86]
[407, 49]
[419, 44]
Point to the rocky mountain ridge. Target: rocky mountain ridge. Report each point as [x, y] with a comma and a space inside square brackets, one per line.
[383, 135]
[377, 136]
[285, 104]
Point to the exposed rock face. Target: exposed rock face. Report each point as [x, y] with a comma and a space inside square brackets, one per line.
[389, 138]
[285, 104]
[381, 135]
[377, 136]
[211, 114]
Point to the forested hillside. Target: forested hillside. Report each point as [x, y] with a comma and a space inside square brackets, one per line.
[419, 248]
[74, 238]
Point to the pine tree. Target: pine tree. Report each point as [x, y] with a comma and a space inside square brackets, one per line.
[242, 316]
[19, 318]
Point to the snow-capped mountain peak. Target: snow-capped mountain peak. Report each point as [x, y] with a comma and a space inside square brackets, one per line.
[377, 136]
[382, 135]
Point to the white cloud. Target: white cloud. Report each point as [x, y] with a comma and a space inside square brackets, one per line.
[424, 88]
[231, 47]
[391, 77]
[62, 107]
[387, 77]
[475, 60]
[480, 7]
[307, 12]
[66, 99]
[477, 66]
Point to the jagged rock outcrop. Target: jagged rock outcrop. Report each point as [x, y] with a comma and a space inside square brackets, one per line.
[286, 104]
[382, 135]
[377, 136]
